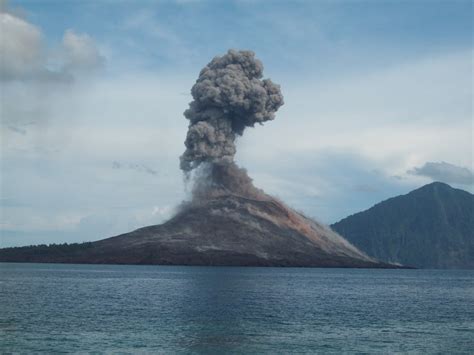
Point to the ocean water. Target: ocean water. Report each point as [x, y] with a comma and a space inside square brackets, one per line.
[166, 309]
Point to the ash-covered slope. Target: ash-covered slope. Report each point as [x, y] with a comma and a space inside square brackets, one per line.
[226, 229]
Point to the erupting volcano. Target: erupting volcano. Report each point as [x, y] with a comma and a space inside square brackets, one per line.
[228, 221]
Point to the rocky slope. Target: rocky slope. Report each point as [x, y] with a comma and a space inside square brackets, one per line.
[431, 227]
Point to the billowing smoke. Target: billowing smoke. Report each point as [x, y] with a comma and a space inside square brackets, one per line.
[229, 96]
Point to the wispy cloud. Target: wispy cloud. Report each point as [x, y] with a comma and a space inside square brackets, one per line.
[144, 21]
[136, 167]
[444, 172]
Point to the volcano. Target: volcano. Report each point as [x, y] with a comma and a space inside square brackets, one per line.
[227, 229]
[227, 221]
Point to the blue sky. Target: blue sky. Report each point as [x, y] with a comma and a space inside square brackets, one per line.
[378, 101]
[320, 37]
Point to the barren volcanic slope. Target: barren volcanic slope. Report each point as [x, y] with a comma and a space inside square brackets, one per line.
[225, 230]
[228, 221]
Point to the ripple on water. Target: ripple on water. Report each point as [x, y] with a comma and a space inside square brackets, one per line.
[164, 309]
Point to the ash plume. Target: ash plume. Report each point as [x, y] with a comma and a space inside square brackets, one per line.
[229, 96]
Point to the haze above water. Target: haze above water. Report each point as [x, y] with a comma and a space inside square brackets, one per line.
[164, 309]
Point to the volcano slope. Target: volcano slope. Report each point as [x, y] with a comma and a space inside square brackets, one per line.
[219, 227]
[225, 230]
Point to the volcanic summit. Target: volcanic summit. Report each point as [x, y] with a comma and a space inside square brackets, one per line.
[227, 221]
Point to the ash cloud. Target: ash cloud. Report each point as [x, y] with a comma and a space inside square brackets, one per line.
[229, 96]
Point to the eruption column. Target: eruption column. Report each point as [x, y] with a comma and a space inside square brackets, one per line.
[229, 96]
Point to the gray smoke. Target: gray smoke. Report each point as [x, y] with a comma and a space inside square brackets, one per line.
[229, 96]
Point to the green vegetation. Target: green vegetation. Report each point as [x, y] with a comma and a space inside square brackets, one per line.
[44, 251]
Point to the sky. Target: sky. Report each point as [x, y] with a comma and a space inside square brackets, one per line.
[378, 102]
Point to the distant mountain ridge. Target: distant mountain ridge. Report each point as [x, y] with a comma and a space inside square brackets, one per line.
[430, 227]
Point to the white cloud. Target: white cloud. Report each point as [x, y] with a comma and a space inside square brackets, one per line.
[24, 55]
[36, 79]
[20, 47]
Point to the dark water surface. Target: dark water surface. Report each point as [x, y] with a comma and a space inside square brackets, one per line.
[168, 309]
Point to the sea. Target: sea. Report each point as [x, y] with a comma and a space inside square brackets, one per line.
[60, 308]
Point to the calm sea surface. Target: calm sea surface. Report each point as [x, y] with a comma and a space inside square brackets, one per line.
[167, 309]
